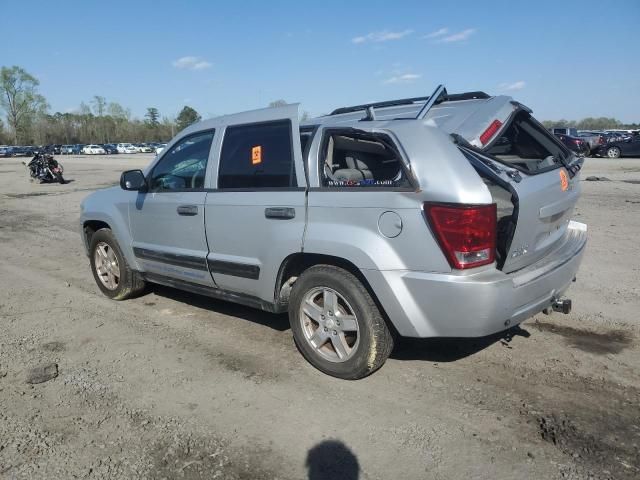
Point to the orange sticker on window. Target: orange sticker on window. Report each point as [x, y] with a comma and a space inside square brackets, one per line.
[256, 155]
[564, 180]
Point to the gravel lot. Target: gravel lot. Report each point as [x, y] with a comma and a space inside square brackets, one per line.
[172, 385]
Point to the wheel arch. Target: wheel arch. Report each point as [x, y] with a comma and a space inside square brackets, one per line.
[93, 221]
[89, 227]
[295, 264]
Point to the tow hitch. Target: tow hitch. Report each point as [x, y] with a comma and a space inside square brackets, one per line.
[562, 305]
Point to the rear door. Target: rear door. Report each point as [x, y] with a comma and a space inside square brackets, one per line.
[255, 216]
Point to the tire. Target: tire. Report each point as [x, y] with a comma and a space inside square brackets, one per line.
[129, 282]
[357, 327]
[60, 178]
[614, 152]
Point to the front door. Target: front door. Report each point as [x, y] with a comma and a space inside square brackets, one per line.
[167, 221]
[255, 217]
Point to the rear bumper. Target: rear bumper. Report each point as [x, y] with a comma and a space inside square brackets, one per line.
[422, 304]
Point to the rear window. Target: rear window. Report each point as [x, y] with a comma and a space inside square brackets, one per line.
[361, 160]
[527, 145]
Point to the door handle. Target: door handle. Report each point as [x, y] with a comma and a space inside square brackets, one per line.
[282, 213]
[187, 210]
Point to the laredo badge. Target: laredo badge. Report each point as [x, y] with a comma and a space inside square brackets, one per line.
[564, 180]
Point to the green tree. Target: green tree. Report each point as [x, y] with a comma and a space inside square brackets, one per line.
[152, 117]
[186, 117]
[277, 103]
[3, 137]
[20, 99]
[99, 105]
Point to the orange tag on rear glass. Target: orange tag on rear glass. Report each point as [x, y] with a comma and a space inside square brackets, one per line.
[564, 180]
[256, 155]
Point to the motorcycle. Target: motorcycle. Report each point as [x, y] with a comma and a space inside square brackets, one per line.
[45, 168]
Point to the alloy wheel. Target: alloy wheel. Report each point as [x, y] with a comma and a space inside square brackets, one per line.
[613, 152]
[329, 324]
[107, 265]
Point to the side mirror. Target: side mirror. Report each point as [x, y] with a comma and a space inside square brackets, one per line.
[133, 180]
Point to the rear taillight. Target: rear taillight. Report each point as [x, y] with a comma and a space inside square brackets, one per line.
[577, 142]
[466, 233]
[490, 131]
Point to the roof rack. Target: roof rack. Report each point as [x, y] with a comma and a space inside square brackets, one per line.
[409, 101]
[388, 103]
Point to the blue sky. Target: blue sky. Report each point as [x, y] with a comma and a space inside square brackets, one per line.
[568, 59]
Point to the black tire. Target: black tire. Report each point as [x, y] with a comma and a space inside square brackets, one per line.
[375, 339]
[60, 178]
[130, 283]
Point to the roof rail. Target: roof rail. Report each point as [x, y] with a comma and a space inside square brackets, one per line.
[408, 101]
[387, 103]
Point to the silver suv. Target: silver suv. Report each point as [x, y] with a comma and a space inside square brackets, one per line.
[441, 216]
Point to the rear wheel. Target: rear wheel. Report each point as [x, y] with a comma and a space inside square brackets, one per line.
[110, 270]
[613, 152]
[336, 324]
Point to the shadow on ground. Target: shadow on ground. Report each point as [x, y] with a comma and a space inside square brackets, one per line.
[332, 460]
[428, 349]
[279, 322]
[451, 349]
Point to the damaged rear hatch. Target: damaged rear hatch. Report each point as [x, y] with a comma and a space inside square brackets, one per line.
[516, 154]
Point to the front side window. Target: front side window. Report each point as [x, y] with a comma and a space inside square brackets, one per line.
[257, 156]
[184, 166]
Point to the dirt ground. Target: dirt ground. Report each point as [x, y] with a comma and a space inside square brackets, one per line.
[172, 385]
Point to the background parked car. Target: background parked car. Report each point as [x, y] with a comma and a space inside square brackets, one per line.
[594, 139]
[143, 148]
[93, 150]
[6, 152]
[160, 147]
[578, 145]
[110, 148]
[572, 132]
[617, 136]
[77, 148]
[126, 148]
[624, 148]
[66, 149]
[23, 151]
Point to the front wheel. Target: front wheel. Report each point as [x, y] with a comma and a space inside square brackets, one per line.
[110, 270]
[613, 152]
[336, 324]
[60, 178]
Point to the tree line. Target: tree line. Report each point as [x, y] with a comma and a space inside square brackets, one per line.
[591, 123]
[30, 122]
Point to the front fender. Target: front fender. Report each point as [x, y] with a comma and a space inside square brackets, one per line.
[111, 206]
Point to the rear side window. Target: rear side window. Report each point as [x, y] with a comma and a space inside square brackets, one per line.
[527, 145]
[257, 156]
[361, 160]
